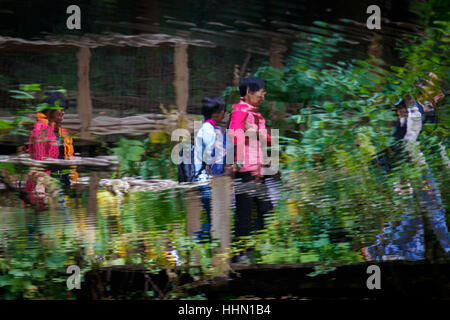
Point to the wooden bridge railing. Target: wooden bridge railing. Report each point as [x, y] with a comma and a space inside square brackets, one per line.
[220, 195]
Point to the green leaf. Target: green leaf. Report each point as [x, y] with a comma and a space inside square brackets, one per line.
[6, 124]
[21, 94]
[38, 273]
[55, 261]
[5, 281]
[18, 273]
[329, 107]
[31, 87]
[45, 106]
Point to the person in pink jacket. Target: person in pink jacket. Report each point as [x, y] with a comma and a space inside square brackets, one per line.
[248, 128]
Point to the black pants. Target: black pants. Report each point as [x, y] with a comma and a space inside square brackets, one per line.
[64, 179]
[249, 195]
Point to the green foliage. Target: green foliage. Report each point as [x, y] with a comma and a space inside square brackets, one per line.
[230, 94]
[196, 297]
[344, 119]
[28, 271]
[145, 158]
[28, 95]
[45, 106]
[6, 124]
[22, 95]
[130, 152]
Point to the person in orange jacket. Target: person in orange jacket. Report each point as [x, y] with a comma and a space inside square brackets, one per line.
[49, 140]
[65, 142]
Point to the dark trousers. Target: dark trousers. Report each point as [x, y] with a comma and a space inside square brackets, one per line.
[204, 235]
[249, 195]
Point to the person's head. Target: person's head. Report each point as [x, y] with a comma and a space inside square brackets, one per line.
[213, 108]
[54, 99]
[401, 108]
[57, 116]
[252, 90]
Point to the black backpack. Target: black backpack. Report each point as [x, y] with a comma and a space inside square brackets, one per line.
[186, 171]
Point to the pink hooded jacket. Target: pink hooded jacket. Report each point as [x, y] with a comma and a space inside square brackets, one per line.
[43, 141]
[248, 127]
[42, 144]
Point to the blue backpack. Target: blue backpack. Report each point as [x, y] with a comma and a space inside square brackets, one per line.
[218, 168]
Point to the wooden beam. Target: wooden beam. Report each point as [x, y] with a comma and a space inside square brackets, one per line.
[221, 221]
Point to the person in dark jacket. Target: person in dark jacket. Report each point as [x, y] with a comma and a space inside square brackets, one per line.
[404, 239]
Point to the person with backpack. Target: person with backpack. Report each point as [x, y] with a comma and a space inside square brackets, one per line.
[248, 127]
[209, 155]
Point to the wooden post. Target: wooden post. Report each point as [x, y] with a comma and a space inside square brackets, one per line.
[92, 195]
[193, 208]
[221, 220]
[277, 50]
[375, 49]
[193, 221]
[181, 81]
[84, 103]
[90, 234]
[91, 219]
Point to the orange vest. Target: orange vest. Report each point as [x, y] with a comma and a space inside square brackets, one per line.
[68, 151]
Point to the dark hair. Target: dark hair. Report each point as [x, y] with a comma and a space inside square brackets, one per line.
[400, 104]
[52, 96]
[211, 105]
[253, 84]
